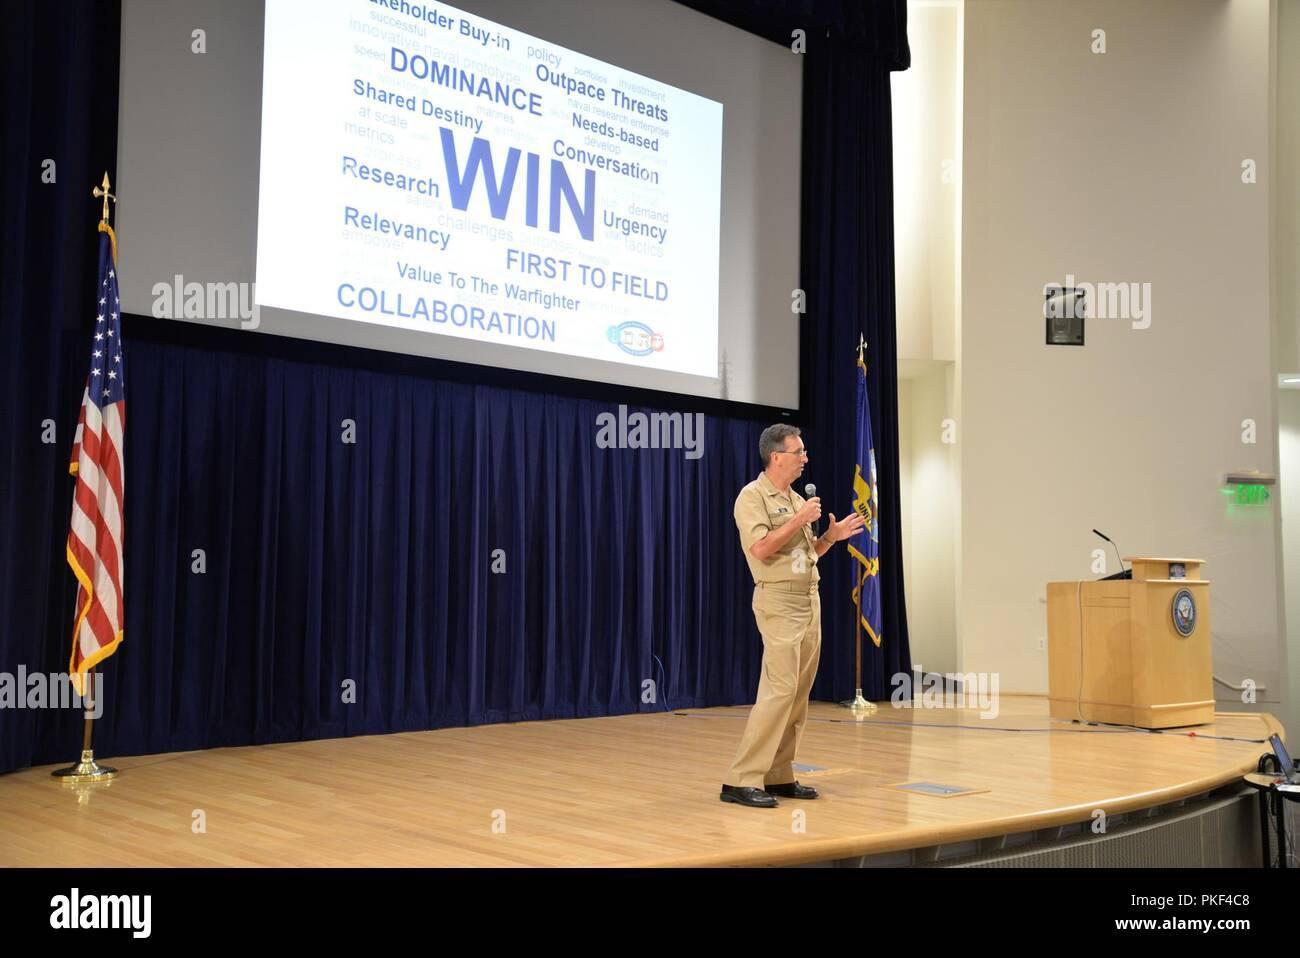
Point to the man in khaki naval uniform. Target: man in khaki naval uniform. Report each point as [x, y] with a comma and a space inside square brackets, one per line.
[775, 525]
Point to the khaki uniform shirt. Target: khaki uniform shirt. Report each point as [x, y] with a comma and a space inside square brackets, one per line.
[760, 508]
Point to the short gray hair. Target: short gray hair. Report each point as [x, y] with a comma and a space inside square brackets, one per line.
[773, 440]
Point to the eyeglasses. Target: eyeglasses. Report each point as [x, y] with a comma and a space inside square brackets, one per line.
[792, 452]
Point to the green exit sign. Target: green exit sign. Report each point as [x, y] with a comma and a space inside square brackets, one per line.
[1247, 494]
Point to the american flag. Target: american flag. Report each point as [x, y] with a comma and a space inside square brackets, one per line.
[95, 537]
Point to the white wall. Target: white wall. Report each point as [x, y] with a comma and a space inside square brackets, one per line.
[927, 182]
[1286, 189]
[1119, 166]
[929, 503]
[906, 402]
[1289, 496]
[1286, 315]
[927, 105]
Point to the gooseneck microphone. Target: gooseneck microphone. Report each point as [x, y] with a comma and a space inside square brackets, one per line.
[810, 492]
[1122, 573]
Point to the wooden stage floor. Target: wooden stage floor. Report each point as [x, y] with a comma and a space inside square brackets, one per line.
[625, 790]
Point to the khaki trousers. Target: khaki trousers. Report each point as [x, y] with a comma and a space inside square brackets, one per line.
[789, 618]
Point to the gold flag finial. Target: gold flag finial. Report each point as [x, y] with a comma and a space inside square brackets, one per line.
[862, 344]
[97, 192]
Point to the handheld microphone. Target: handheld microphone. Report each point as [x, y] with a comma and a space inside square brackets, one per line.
[1122, 573]
[810, 492]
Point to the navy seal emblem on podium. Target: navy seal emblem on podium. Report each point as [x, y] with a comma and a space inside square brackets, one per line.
[1184, 612]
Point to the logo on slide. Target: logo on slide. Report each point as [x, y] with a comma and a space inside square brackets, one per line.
[636, 339]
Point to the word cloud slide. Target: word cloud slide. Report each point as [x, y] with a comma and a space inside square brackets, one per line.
[426, 169]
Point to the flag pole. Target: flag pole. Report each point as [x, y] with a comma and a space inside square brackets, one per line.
[859, 704]
[88, 770]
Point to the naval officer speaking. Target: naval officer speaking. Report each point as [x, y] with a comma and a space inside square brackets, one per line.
[775, 525]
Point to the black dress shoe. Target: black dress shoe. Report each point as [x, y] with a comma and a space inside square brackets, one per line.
[753, 797]
[792, 790]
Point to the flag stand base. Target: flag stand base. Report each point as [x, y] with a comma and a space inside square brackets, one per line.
[859, 704]
[85, 771]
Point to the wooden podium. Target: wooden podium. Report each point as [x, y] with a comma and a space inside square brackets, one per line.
[1138, 666]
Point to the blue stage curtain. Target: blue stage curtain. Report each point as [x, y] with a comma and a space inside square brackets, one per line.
[60, 73]
[875, 30]
[847, 268]
[847, 273]
[371, 562]
[327, 562]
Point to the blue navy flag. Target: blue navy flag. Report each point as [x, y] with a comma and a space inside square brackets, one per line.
[864, 545]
